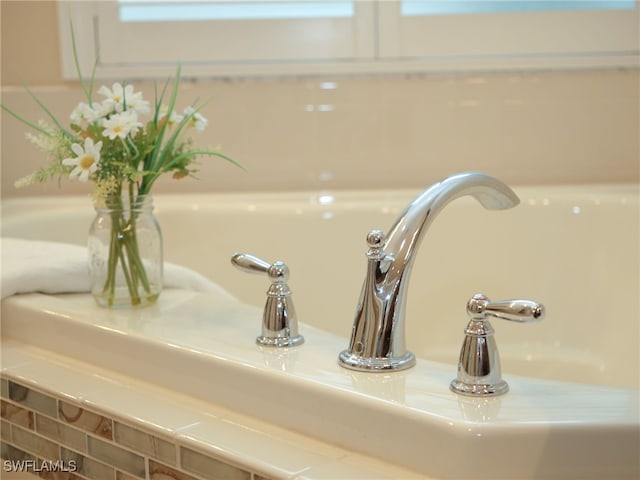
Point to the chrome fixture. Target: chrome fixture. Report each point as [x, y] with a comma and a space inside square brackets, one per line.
[378, 334]
[479, 365]
[279, 321]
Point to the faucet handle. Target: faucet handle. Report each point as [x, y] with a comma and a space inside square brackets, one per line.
[375, 242]
[279, 320]
[479, 372]
[250, 263]
[479, 307]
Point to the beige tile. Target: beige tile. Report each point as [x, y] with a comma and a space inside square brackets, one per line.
[88, 467]
[32, 399]
[118, 457]
[61, 433]
[511, 125]
[137, 402]
[209, 468]
[158, 471]
[59, 476]
[125, 476]
[86, 420]
[19, 476]
[145, 443]
[359, 467]
[259, 446]
[35, 444]
[17, 415]
[5, 431]
[13, 453]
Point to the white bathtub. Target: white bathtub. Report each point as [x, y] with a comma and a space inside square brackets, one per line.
[572, 411]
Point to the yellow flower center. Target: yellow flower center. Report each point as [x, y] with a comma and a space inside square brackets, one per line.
[86, 162]
[117, 129]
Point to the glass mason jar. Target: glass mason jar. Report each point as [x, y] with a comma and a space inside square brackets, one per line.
[125, 252]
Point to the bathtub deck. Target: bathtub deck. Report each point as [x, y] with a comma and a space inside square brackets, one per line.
[203, 439]
[188, 368]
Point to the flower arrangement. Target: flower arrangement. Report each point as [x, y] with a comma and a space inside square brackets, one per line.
[109, 143]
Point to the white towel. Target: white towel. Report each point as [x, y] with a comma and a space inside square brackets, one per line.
[48, 267]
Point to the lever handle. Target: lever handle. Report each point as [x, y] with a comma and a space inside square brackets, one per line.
[250, 263]
[279, 321]
[480, 307]
[277, 272]
[479, 372]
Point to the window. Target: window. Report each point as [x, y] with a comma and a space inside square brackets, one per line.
[510, 33]
[440, 7]
[176, 10]
[145, 38]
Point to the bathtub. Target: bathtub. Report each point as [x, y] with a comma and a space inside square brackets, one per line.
[572, 410]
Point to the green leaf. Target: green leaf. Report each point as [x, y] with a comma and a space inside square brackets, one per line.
[25, 121]
[88, 89]
[46, 110]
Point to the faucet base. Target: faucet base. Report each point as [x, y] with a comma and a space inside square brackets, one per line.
[382, 364]
[478, 389]
[284, 341]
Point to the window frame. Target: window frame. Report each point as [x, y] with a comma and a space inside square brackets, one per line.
[595, 37]
[378, 40]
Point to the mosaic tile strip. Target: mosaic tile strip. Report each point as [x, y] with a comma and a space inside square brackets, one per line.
[85, 420]
[87, 466]
[59, 440]
[158, 471]
[210, 468]
[62, 433]
[149, 445]
[32, 399]
[16, 415]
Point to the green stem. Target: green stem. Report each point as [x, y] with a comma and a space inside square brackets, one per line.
[133, 291]
[25, 121]
[124, 250]
[133, 251]
[112, 262]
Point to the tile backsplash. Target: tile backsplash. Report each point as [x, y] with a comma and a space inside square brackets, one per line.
[59, 440]
[383, 132]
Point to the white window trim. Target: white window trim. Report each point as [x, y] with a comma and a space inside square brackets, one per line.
[379, 34]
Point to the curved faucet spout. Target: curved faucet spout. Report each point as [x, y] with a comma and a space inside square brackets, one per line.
[405, 235]
[378, 338]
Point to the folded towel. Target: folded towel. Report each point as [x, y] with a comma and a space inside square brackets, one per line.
[48, 267]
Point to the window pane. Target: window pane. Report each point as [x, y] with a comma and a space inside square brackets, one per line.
[452, 7]
[176, 10]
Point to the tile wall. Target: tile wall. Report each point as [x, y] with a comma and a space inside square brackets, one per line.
[382, 132]
[63, 441]
[328, 132]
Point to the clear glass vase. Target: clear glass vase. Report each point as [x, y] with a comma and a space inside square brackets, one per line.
[125, 252]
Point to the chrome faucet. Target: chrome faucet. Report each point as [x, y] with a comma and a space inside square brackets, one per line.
[378, 334]
[279, 320]
[479, 372]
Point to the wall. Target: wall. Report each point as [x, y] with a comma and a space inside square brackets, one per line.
[369, 132]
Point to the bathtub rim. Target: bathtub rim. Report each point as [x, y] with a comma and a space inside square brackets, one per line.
[63, 310]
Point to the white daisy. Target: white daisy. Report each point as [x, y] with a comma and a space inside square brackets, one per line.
[118, 97]
[83, 113]
[121, 124]
[138, 104]
[197, 120]
[174, 118]
[86, 161]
